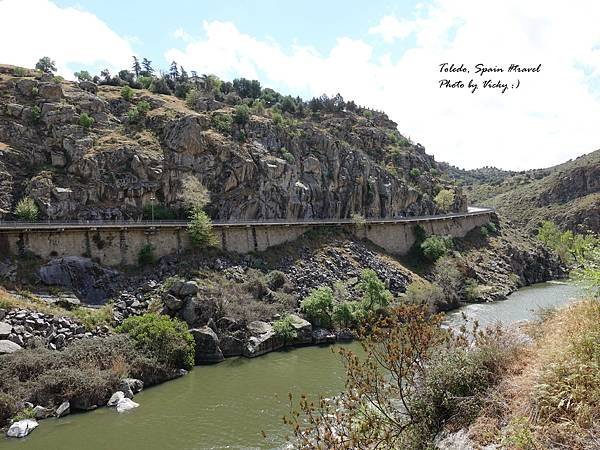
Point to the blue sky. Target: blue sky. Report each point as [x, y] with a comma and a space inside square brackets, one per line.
[383, 54]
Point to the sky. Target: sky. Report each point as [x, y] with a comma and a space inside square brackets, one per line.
[382, 54]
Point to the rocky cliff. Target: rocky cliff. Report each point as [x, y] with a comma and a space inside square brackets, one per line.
[568, 194]
[271, 165]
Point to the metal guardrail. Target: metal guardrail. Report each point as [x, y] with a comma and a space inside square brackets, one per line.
[90, 224]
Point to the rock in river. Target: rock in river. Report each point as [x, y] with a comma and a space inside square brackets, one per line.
[126, 404]
[207, 345]
[21, 428]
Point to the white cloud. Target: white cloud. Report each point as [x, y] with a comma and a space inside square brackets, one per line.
[35, 28]
[553, 116]
[390, 28]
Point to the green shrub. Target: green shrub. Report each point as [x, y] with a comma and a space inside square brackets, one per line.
[471, 290]
[491, 227]
[345, 314]
[145, 81]
[434, 172]
[200, 229]
[484, 231]
[27, 210]
[192, 97]
[434, 247]
[287, 155]
[168, 340]
[221, 122]
[241, 114]
[284, 329]
[126, 93]
[57, 79]
[133, 115]
[415, 173]
[85, 120]
[318, 306]
[444, 199]
[83, 75]
[146, 255]
[20, 72]
[375, 295]
[36, 113]
[276, 279]
[91, 318]
[143, 107]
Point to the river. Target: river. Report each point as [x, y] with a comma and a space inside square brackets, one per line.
[226, 406]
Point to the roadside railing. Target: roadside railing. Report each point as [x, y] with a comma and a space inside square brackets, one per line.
[131, 223]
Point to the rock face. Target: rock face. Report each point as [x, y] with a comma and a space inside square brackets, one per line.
[207, 346]
[21, 428]
[89, 280]
[262, 340]
[332, 164]
[303, 330]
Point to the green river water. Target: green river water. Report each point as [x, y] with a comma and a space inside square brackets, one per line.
[226, 406]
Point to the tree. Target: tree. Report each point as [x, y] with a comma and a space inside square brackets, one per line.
[127, 93]
[375, 294]
[136, 67]
[27, 210]
[288, 104]
[318, 306]
[160, 86]
[147, 65]
[247, 88]
[211, 83]
[106, 75]
[200, 229]
[434, 247]
[444, 199]
[83, 75]
[241, 114]
[174, 71]
[46, 65]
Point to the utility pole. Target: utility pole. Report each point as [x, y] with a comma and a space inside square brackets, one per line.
[152, 198]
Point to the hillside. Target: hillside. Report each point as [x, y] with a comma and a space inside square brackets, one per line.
[568, 194]
[258, 159]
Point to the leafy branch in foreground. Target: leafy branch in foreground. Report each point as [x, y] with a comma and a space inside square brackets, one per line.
[414, 378]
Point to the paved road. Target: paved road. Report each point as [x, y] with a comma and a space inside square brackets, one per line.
[59, 225]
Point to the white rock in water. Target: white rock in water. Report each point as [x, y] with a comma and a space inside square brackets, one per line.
[116, 398]
[21, 428]
[126, 404]
[63, 409]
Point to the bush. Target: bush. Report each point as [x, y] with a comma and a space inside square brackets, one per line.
[434, 247]
[287, 155]
[168, 340]
[192, 97]
[425, 293]
[127, 93]
[27, 210]
[221, 122]
[90, 318]
[146, 255]
[484, 231]
[200, 229]
[284, 329]
[375, 295]
[318, 306]
[160, 86]
[36, 113]
[345, 314]
[241, 114]
[491, 227]
[85, 120]
[143, 107]
[83, 75]
[415, 173]
[276, 279]
[133, 115]
[444, 199]
[145, 81]
[20, 72]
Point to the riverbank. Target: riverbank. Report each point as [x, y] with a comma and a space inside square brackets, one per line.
[228, 404]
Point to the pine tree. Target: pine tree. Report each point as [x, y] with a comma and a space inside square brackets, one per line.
[174, 71]
[136, 67]
[147, 65]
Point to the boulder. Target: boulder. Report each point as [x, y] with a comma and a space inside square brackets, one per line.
[25, 86]
[132, 384]
[188, 288]
[40, 412]
[175, 288]
[50, 91]
[126, 404]
[63, 409]
[115, 398]
[345, 335]
[171, 302]
[191, 312]
[88, 86]
[232, 344]
[323, 336]
[7, 347]
[263, 340]
[207, 346]
[5, 330]
[303, 330]
[22, 428]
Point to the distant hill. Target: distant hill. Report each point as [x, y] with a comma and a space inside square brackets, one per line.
[568, 193]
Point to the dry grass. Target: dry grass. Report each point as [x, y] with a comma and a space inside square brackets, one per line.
[550, 398]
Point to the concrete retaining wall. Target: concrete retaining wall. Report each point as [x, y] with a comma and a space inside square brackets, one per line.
[121, 246]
